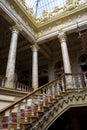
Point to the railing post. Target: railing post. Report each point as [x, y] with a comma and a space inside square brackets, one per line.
[44, 99]
[80, 83]
[49, 95]
[9, 119]
[26, 110]
[74, 84]
[53, 91]
[1, 123]
[63, 87]
[58, 89]
[3, 82]
[32, 107]
[38, 103]
[85, 79]
[18, 117]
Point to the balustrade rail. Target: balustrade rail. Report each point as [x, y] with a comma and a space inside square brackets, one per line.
[2, 81]
[74, 80]
[22, 87]
[34, 102]
[17, 85]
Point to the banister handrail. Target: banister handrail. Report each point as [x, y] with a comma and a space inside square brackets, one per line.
[26, 96]
[75, 73]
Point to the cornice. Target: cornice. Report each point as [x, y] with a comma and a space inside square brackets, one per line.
[62, 16]
[36, 24]
[22, 12]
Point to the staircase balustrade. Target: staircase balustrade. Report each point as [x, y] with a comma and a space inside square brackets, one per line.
[25, 112]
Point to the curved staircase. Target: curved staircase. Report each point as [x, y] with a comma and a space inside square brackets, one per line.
[40, 108]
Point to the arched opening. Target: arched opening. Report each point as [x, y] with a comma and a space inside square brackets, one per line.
[73, 119]
[83, 62]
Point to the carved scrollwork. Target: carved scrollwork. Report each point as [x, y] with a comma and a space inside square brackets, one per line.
[71, 4]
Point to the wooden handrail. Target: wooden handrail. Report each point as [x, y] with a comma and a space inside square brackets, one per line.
[26, 96]
[79, 73]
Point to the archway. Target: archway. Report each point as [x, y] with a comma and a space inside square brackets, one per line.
[83, 62]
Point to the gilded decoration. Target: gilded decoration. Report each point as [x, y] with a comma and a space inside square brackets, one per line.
[28, 10]
[36, 35]
[62, 37]
[69, 5]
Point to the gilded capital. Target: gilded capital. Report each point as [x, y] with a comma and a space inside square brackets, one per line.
[62, 37]
[36, 35]
[34, 47]
[15, 29]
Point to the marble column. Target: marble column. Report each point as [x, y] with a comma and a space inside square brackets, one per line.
[10, 71]
[35, 66]
[65, 54]
[66, 60]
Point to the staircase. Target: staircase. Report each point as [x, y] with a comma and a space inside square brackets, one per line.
[40, 108]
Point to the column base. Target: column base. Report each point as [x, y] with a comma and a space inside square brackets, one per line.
[9, 85]
[69, 82]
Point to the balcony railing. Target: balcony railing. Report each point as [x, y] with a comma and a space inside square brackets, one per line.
[22, 87]
[74, 80]
[2, 81]
[17, 85]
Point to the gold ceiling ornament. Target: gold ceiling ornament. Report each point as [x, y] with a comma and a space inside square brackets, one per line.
[60, 27]
[45, 15]
[23, 2]
[79, 18]
[70, 21]
[57, 10]
[16, 27]
[12, 7]
[50, 28]
[30, 11]
[36, 35]
[71, 4]
[35, 47]
[62, 36]
[19, 20]
[48, 16]
[26, 23]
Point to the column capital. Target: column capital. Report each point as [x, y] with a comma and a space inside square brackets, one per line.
[15, 29]
[62, 37]
[35, 47]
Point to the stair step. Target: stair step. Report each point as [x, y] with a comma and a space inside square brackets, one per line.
[22, 125]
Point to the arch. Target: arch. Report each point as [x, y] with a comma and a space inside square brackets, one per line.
[82, 59]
